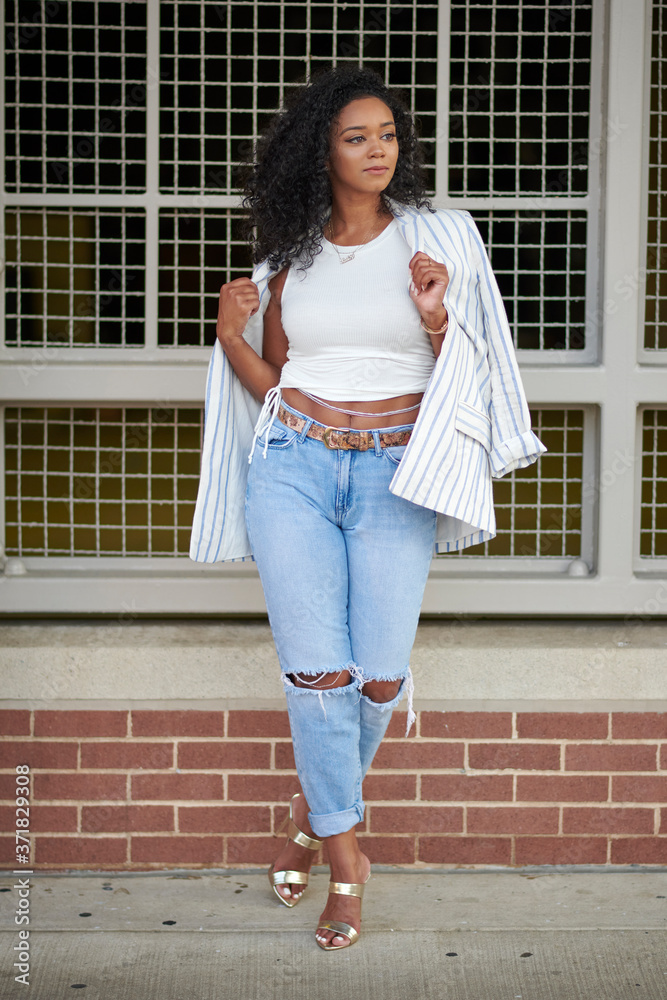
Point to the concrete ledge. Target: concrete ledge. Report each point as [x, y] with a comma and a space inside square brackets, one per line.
[458, 665]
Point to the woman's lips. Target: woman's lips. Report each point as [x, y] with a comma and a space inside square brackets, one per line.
[376, 170]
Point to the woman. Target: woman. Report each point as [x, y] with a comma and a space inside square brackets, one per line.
[348, 363]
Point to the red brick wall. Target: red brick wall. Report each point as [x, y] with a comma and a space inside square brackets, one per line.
[157, 789]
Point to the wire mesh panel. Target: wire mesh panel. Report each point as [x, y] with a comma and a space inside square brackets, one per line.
[520, 96]
[101, 482]
[653, 529]
[655, 324]
[75, 92]
[199, 250]
[539, 259]
[75, 277]
[225, 67]
[538, 509]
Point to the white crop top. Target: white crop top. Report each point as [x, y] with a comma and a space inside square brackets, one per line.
[352, 328]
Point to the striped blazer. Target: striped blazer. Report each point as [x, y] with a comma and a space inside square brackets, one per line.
[473, 424]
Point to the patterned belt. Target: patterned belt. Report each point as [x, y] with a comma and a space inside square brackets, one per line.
[344, 440]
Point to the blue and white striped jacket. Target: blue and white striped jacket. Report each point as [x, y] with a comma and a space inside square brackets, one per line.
[473, 424]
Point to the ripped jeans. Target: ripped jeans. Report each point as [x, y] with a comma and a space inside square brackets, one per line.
[343, 563]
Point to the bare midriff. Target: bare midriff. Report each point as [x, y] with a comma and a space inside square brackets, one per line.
[332, 418]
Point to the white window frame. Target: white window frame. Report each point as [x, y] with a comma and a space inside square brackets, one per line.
[610, 380]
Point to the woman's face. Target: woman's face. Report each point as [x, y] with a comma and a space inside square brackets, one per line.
[364, 149]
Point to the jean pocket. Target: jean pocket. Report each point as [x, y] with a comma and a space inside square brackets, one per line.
[395, 453]
[280, 436]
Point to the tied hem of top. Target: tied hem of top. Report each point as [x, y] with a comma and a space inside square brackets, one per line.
[267, 415]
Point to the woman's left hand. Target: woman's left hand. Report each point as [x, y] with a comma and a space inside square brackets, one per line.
[429, 282]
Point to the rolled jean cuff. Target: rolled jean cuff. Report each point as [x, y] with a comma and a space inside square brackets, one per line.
[329, 824]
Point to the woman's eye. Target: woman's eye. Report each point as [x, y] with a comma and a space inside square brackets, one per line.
[389, 135]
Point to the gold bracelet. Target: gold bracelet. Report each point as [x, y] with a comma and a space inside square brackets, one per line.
[429, 330]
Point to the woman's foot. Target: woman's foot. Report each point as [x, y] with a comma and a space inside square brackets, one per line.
[293, 857]
[355, 867]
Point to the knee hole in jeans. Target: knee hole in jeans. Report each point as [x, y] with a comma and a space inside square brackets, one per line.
[381, 691]
[323, 681]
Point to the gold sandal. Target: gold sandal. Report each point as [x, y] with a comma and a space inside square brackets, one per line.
[342, 889]
[290, 877]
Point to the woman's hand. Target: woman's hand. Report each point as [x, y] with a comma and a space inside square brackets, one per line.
[239, 300]
[429, 282]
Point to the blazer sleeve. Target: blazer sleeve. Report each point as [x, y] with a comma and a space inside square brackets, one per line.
[514, 445]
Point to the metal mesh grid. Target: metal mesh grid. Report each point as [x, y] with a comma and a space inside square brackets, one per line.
[519, 97]
[539, 259]
[655, 322]
[101, 482]
[226, 67]
[75, 277]
[653, 526]
[75, 92]
[199, 250]
[538, 509]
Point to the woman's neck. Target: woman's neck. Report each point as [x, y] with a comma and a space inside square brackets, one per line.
[353, 224]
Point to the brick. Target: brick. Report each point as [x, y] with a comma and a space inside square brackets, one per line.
[477, 725]
[397, 724]
[188, 723]
[80, 850]
[465, 850]
[48, 754]
[14, 722]
[466, 787]
[43, 819]
[80, 787]
[267, 724]
[663, 757]
[127, 755]
[94, 723]
[223, 756]
[8, 852]
[262, 787]
[639, 725]
[416, 819]
[285, 757]
[389, 850]
[639, 788]
[176, 786]
[518, 756]
[177, 850]
[622, 757]
[252, 850]
[7, 786]
[562, 725]
[224, 819]
[512, 819]
[663, 821]
[390, 787]
[639, 851]
[126, 819]
[561, 850]
[565, 788]
[587, 820]
[418, 755]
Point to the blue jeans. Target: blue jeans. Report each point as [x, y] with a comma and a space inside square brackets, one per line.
[343, 563]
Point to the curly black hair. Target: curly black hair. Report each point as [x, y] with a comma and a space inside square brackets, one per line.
[287, 189]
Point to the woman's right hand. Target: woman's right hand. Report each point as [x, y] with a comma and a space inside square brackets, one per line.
[239, 300]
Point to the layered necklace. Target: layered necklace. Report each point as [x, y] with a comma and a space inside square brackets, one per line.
[350, 256]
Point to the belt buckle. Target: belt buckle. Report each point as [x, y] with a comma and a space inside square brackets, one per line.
[325, 437]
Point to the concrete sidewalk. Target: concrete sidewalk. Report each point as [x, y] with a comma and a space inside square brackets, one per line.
[534, 934]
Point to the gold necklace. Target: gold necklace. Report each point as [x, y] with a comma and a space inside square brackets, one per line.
[350, 256]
